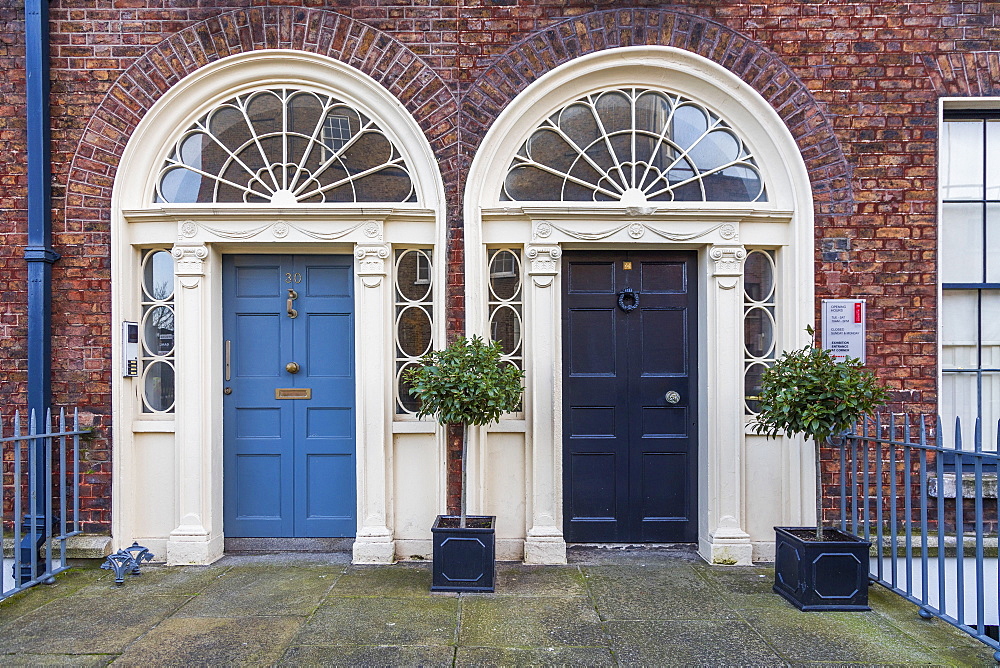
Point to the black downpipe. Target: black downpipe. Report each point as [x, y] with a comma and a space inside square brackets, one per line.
[39, 256]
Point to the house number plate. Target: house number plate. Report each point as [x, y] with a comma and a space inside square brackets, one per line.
[293, 393]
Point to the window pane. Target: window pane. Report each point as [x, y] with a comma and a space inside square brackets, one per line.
[505, 276]
[751, 385]
[158, 275]
[993, 159]
[158, 330]
[284, 146]
[158, 386]
[959, 398]
[962, 243]
[413, 275]
[413, 331]
[627, 144]
[991, 409]
[993, 243]
[758, 332]
[758, 276]
[962, 160]
[990, 340]
[505, 327]
[959, 329]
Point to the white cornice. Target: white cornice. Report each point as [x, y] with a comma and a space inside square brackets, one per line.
[213, 214]
[654, 214]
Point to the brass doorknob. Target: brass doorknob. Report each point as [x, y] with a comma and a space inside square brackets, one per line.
[292, 367]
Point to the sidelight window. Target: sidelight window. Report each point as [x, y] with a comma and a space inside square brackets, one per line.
[157, 332]
[505, 303]
[414, 297]
[759, 345]
[284, 146]
[634, 145]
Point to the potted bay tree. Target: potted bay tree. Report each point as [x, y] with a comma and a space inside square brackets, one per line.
[808, 392]
[467, 383]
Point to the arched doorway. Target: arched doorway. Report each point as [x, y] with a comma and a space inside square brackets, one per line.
[266, 210]
[635, 184]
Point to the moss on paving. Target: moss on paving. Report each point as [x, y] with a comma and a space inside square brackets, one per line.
[633, 608]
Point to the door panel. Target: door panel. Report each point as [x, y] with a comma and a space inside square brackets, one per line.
[629, 456]
[289, 463]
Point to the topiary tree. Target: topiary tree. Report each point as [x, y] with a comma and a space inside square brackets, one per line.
[808, 392]
[467, 383]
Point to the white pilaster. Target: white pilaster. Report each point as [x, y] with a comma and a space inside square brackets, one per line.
[194, 540]
[544, 543]
[374, 543]
[728, 543]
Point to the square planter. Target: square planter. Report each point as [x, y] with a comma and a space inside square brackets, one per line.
[821, 575]
[464, 559]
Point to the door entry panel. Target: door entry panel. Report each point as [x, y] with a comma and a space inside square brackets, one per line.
[289, 434]
[629, 396]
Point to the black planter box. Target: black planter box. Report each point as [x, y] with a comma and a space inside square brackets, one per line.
[464, 559]
[821, 575]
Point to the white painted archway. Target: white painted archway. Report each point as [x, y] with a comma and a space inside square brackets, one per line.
[167, 470]
[746, 484]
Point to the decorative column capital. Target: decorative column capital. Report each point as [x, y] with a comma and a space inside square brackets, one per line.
[371, 263]
[189, 263]
[728, 264]
[544, 263]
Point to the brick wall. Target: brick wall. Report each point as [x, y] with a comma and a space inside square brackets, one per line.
[857, 84]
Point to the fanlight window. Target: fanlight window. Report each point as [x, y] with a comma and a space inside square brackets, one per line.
[284, 146]
[634, 145]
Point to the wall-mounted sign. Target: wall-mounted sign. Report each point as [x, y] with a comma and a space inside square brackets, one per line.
[844, 328]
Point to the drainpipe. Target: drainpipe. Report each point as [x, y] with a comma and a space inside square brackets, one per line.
[39, 256]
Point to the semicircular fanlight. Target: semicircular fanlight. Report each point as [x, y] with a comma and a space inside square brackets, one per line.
[284, 146]
[634, 145]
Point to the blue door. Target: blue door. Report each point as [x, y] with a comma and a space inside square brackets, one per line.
[289, 438]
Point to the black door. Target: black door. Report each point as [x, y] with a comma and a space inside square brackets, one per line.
[629, 396]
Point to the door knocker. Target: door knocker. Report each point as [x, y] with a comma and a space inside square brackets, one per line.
[628, 294]
[292, 296]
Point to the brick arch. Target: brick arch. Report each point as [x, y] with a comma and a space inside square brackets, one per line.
[971, 74]
[382, 57]
[829, 170]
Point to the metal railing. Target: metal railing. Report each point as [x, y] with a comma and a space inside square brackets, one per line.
[41, 498]
[930, 513]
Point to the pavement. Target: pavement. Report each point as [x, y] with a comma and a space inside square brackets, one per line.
[637, 607]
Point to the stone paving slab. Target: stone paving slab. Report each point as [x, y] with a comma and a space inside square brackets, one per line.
[238, 592]
[607, 607]
[431, 620]
[698, 642]
[207, 641]
[537, 656]
[82, 625]
[515, 621]
[647, 592]
[370, 655]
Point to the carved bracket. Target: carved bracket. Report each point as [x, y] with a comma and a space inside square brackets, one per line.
[728, 265]
[189, 263]
[371, 263]
[544, 264]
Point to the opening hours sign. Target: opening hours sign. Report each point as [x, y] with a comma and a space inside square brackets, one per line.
[844, 328]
